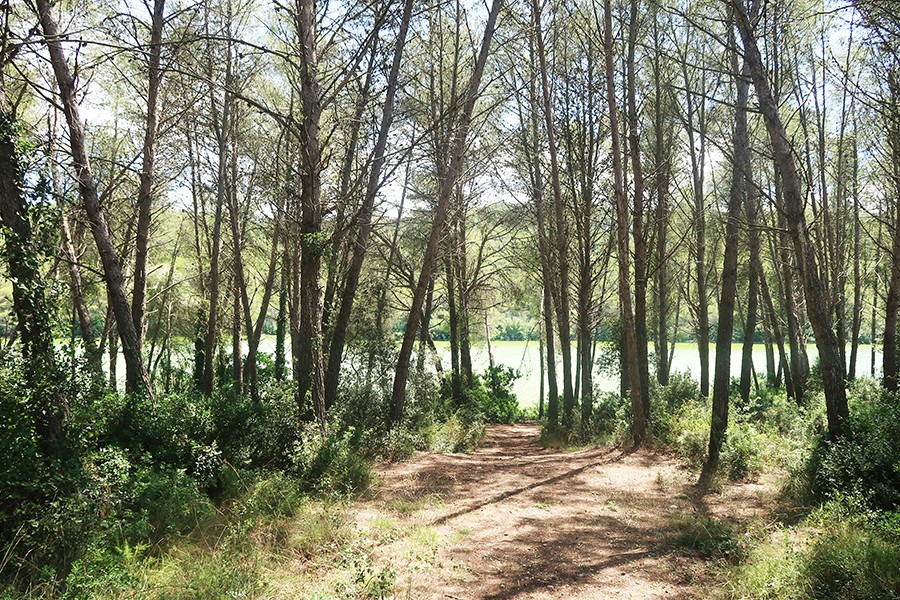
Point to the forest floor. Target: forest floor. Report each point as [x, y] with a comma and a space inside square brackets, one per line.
[516, 520]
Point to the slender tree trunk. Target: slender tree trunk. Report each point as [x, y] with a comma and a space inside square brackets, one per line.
[463, 312]
[76, 287]
[750, 210]
[453, 319]
[561, 242]
[341, 227]
[772, 318]
[281, 326]
[697, 151]
[637, 219]
[639, 418]
[856, 325]
[136, 379]
[145, 188]
[739, 186]
[662, 179]
[541, 387]
[890, 367]
[338, 340]
[447, 186]
[830, 355]
[537, 193]
[251, 375]
[214, 276]
[237, 370]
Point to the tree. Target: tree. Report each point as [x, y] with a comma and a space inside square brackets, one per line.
[820, 317]
[136, 378]
[639, 418]
[446, 188]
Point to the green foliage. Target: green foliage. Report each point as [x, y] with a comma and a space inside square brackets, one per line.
[610, 414]
[498, 404]
[680, 420]
[490, 398]
[841, 551]
[865, 461]
[455, 434]
[706, 536]
[331, 464]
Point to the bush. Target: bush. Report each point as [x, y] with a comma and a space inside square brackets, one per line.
[865, 461]
[456, 434]
[330, 465]
[499, 405]
[610, 414]
[490, 398]
[742, 452]
[840, 551]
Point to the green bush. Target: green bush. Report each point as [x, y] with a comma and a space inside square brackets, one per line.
[456, 434]
[331, 464]
[840, 551]
[742, 452]
[610, 414]
[865, 461]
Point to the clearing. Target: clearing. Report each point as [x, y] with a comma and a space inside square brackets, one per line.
[515, 520]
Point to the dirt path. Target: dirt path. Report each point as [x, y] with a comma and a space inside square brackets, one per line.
[514, 520]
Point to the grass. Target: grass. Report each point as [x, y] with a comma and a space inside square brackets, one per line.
[272, 542]
[835, 552]
[705, 536]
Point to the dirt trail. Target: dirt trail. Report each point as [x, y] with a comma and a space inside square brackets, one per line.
[515, 520]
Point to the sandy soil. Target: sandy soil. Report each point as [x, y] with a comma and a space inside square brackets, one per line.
[515, 520]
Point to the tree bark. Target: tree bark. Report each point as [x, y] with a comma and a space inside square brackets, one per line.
[740, 165]
[447, 186]
[639, 418]
[561, 243]
[338, 340]
[311, 374]
[830, 355]
[145, 188]
[750, 210]
[637, 219]
[49, 405]
[136, 379]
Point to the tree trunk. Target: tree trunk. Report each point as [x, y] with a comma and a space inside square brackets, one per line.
[311, 374]
[281, 324]
[446, 188]
[561, 243]
[750, 210]
[49, 405]
[830, 355]
[136, 379]
[890, 368]
[251, 375]
[637, 223]
[338, 340]
[145, 188]
[740, 165]
[76, 287]
[639, 418]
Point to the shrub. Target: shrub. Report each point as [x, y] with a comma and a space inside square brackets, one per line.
[742, 452]
[840, 551]
[610, 414]
[330, 464]
[706, 536]
[492, 395]
[456, 434]
[865, 460]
